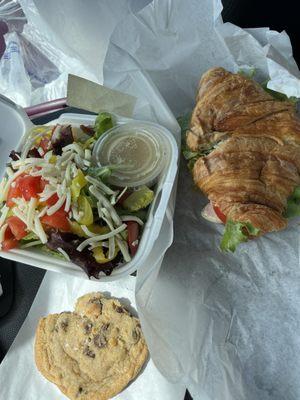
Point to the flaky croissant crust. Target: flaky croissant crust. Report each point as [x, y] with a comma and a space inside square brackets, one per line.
[255, 165]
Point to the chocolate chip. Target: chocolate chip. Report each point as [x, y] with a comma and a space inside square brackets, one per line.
[88, 352]
[64, 325]
[80, 390]
[96, 300]
[120, 310]
[100, 341]
[87, 328]
[104, 328]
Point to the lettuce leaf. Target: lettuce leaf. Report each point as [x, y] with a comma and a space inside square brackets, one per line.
[53, 253]
[247, 73]
[30, 237]
[190, 156]
[103, 123]
[236, 233]
[102, 173]
[184, 123]
[84, 259]
[293, 204]
[277, 95]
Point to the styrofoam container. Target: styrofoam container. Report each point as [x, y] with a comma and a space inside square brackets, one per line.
[156, 213]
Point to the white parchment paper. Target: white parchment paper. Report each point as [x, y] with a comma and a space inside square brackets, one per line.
[227, 326]
[20, 379]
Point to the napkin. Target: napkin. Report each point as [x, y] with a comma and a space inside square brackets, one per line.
[226, 325]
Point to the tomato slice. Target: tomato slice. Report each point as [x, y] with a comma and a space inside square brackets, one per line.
[220, 215]
[30, 186]
[25, 186]
[133, 234]
[43, 184]
[9, 242]
[58, 220]
[52, 200]
[13, 193]
[17, 227]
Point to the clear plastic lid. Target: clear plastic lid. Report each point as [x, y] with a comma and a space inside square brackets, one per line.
[138, 152]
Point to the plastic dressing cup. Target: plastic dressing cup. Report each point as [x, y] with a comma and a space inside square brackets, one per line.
[137, 153]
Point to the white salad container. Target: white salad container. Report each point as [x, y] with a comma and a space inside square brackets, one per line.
[18, 125]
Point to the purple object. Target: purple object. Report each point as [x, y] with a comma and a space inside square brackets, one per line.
[45, 108]
[3, 31]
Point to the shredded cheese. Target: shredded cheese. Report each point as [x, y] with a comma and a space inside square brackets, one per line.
[114, 215]
[43, 212]
[88, 232]
[31, 213]
[87, 154]
[39, 231]
[2, 233]
[111, 248]
[68, 200]
[51, 210]
[99, 238]
[9, 171]
[124, 249]
[75, 147]
[125, 218]
[41, 151]
[4, 211]
[100, 185]
[64, 253]
[6, 186]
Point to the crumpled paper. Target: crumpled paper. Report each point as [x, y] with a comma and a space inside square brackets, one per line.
[19, 377]
[226, 325]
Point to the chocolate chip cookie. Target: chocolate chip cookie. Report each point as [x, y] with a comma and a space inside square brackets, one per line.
[92, 353]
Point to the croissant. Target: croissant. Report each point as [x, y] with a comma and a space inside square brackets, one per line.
[252, 142]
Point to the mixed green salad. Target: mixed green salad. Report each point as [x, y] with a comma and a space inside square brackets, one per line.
[55, 199]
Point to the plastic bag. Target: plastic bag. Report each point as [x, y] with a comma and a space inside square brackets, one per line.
[14, 80]
[59, 38]
[24, 69]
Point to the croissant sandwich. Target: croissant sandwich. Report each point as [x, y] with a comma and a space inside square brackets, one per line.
[245, 145]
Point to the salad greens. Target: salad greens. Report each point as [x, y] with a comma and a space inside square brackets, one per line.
[190, 156]
[276, 95]
[100, 172]
[236, 233]
[247, 73]
[103, 123]
[293, 204]
[55, 199]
